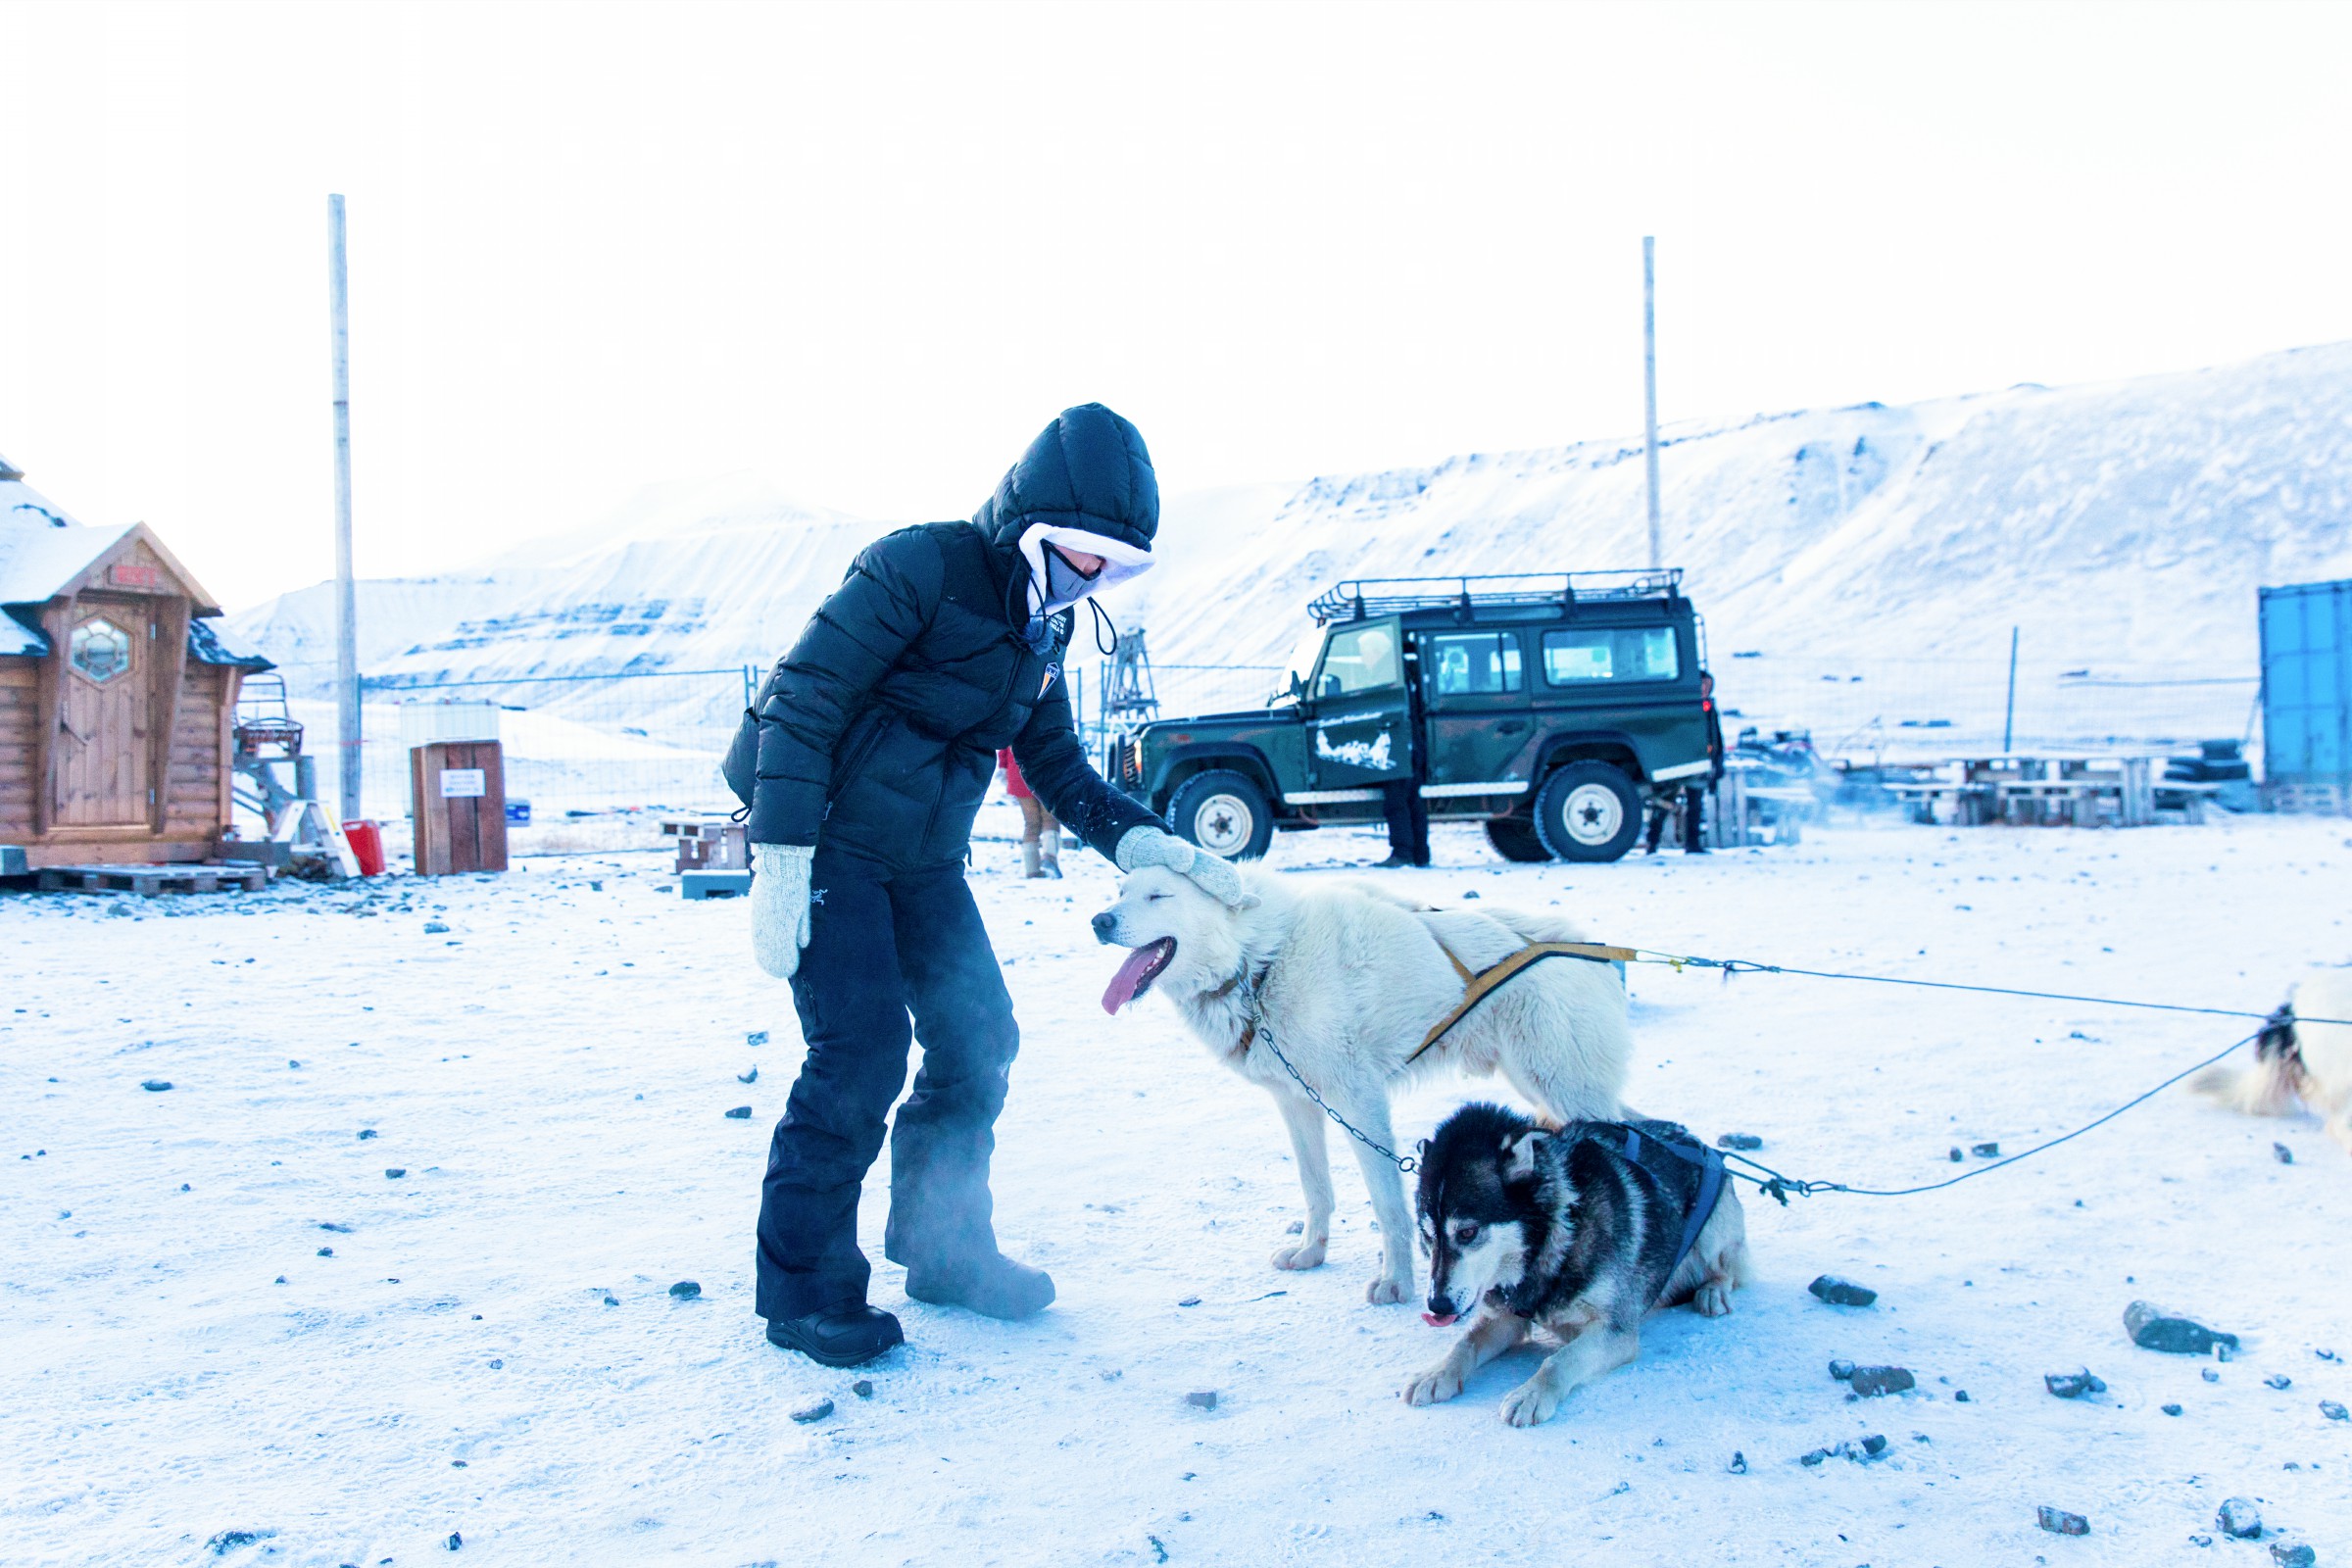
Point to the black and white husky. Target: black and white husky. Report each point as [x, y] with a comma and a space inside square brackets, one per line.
[1581, 1232]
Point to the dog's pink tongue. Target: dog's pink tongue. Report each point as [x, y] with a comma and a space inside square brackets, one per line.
[1435, 1322]
[1130, 975]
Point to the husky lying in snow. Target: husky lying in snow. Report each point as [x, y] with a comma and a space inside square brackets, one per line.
[1346, 980]
[2294, 1060]
[1528, 1227]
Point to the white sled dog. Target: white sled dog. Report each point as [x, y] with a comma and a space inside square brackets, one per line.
[1345, 980]
[2297, 1060]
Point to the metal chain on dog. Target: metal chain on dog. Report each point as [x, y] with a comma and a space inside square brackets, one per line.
[1404, 1163]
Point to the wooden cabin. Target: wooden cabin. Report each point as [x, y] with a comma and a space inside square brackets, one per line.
[116, 696]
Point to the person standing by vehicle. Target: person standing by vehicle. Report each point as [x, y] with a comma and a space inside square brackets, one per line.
[1408, 823]
[863, 765]
[1695, 837]
[1040, 834]
[1382, 664]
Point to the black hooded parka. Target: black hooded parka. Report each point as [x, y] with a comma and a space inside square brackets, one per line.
[878, 731]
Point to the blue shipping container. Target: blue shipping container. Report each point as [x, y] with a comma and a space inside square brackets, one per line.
[2307, 684]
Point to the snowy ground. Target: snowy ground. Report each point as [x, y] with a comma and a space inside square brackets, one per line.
[551, 1072]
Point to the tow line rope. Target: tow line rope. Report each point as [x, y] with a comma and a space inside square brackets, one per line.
[1777, 1186]
[1749, 966]
[1479, 985]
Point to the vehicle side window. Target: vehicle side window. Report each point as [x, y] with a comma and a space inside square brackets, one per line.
[1610, 654]
[1472, 664]
[1360, 660]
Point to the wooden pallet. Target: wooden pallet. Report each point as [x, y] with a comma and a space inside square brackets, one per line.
[713, 884]
[150, 880]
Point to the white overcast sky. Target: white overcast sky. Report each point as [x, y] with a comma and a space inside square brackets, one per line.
[868, 251]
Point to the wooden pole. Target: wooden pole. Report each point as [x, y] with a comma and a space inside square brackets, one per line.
[1649, 387]
[347, 645]
[2009, 717]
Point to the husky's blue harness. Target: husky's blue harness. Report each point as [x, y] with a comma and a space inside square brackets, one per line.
[1685, 1147]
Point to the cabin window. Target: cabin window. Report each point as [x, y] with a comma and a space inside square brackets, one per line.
[1472, 664]
[1611, 654]
[101, 649]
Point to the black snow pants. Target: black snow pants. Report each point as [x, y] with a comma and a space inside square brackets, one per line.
[1408, 820]
[886, 945]
[1694, 821]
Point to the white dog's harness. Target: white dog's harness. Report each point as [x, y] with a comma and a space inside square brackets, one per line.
[1480, 984]
[1477, 986]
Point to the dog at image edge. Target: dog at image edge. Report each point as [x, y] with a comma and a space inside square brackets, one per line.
[1345, 980]
[1528, 1227]
[2297, 1060]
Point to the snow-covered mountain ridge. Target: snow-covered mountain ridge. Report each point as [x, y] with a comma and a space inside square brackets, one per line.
[2125, 524]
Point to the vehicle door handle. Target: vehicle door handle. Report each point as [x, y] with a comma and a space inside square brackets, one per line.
[1510, 727]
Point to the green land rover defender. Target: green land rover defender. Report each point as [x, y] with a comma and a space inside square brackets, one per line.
[1548, 705]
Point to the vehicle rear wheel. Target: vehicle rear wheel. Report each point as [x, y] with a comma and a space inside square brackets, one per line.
[1588, 811]
[1224, 813]
[1514, 839]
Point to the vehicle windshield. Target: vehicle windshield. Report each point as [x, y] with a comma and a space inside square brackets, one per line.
[1301, 667]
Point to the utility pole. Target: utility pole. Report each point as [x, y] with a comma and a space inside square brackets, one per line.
[1649, 387]
[347, 641]
[2009, 713]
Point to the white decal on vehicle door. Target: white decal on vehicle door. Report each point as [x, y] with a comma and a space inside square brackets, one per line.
[1374, 753]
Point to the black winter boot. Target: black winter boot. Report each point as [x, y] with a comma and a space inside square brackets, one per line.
[840, 1336]
[995, 1287]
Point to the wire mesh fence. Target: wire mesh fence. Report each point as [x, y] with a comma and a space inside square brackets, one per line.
[573, 745]
[652, 740]
[1181, 690]
[1911, 710]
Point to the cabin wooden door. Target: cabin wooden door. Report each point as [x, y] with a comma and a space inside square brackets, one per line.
[102, 775]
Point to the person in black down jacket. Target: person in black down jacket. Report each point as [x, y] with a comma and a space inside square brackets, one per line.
[877, 739]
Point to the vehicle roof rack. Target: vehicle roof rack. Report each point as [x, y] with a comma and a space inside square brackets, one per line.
[1362, 598]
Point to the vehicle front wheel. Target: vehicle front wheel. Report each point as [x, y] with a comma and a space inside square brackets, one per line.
[1224, 813]
[1514, 839]
[1588, 811]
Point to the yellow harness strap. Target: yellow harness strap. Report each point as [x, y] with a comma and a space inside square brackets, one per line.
[1477, 987]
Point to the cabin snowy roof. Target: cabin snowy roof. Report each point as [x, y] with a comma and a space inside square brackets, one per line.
[211, 643]
[18, 638]
[42, 547]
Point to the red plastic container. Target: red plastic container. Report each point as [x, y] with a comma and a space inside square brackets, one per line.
[367, 846]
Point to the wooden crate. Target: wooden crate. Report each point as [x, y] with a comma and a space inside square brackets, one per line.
[460, 832]
[712, 846]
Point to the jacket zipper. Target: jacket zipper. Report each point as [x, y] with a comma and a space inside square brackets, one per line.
[1013, 683]
[856, 760]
